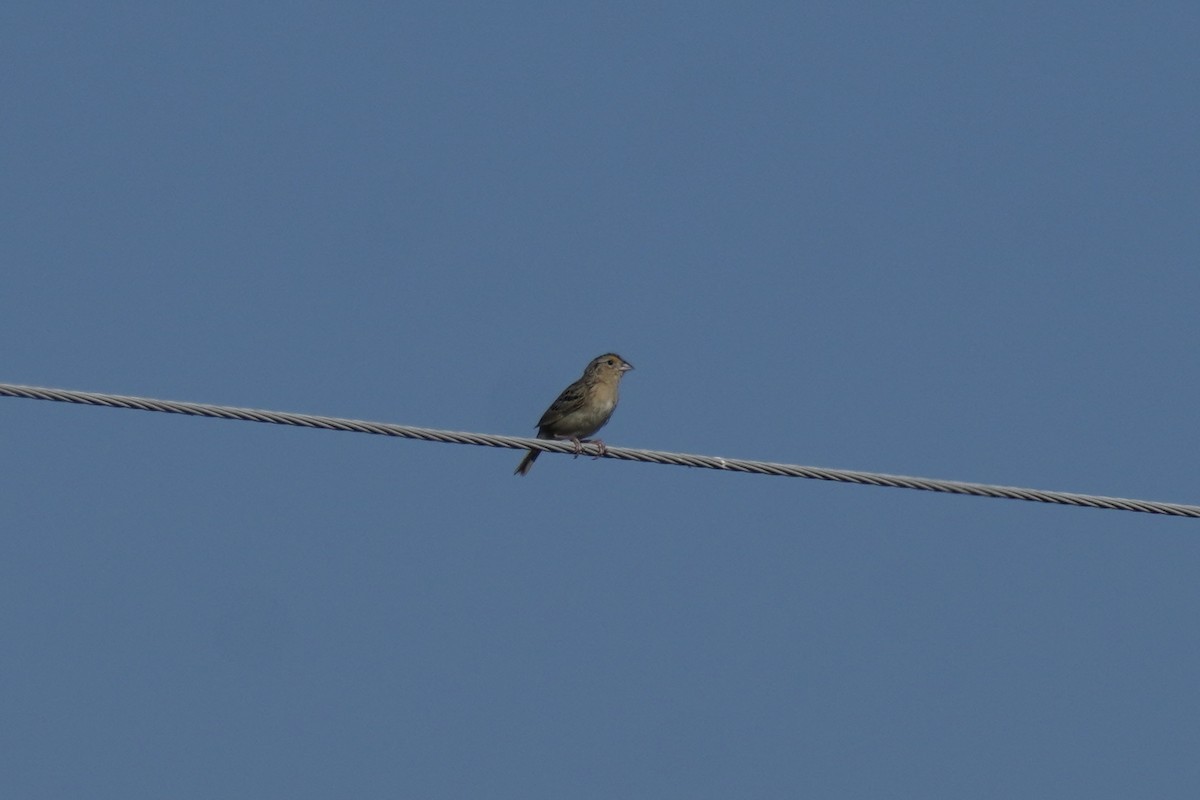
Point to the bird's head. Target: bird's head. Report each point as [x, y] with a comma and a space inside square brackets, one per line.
[609, 365]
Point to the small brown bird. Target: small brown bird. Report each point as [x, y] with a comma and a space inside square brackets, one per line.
[582, 408]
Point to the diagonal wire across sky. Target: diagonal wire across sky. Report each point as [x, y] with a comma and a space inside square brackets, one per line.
[619, 453]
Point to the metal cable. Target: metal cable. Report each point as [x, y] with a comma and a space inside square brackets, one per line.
[621, 453]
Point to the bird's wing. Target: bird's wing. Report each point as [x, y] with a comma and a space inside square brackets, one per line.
[571, 400]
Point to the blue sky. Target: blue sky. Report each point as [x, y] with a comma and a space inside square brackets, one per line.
[951, 240]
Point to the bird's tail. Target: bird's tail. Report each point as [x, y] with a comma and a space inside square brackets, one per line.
[527, 462]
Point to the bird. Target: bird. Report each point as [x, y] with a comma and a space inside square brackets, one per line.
[583, 407]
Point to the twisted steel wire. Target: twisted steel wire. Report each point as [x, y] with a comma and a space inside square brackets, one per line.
[620, 453]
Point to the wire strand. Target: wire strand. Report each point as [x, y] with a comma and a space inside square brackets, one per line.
[620, 453]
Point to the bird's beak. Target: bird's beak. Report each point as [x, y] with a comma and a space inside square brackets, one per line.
[626, 366]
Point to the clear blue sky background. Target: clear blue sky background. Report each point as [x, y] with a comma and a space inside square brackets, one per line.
[952, 240]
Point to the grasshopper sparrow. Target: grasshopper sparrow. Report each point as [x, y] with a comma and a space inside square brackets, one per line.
[582, 408]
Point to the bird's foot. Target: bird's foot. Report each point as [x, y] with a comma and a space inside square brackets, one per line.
[579, 443]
